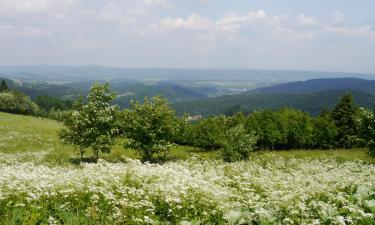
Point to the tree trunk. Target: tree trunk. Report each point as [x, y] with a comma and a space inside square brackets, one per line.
[96, 155]
[81, 152]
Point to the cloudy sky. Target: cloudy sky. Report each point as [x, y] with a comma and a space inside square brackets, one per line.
[328, 35]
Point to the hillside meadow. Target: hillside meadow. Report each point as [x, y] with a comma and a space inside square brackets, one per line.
[41, 182]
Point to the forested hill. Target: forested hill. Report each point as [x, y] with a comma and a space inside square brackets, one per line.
[316, 85]
[310, 102]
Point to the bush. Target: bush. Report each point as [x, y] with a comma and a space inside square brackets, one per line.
[238, 144]
[17, 102]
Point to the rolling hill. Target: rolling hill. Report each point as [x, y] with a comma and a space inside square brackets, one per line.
[310, 102]
[125, 89]
[316, 85]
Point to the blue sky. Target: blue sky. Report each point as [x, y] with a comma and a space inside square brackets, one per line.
[328, 35]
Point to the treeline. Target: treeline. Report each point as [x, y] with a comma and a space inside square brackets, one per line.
[286, 128]
[13, 101]
[153, 128]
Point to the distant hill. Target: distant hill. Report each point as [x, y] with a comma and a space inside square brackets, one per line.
[310, 102]
[316, 85]
[173, 92]
[126, 90]
[35, 89]
[93, 72]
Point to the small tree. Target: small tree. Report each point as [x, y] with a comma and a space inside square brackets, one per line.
[238, 144]
[151, 127]
[92, 125]
[3, 86]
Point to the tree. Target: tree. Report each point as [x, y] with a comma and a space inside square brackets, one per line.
[92, 125]
[345, 115]
[367, 128]
[208, 134]
[3, 86]
[238, 144]
[325, 131]
[151, 127]
[282, 129]
[264, 124]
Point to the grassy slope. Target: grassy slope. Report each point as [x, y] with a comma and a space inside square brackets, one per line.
[25, 134]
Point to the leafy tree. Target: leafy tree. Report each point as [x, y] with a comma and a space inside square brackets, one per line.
[298, 127]
[282, 129]
[92, 125]
[151, 127]
[345, 115]
[238, 144]
[325, 131]
[3, 86]
[208, 133]
[367, 128]
[268, 127]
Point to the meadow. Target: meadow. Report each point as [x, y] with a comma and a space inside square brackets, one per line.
[42, 183]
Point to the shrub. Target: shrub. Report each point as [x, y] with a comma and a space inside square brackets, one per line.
[238, 144]
[17, 102]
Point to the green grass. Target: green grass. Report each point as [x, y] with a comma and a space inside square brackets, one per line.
[339, 154]
[26, 134]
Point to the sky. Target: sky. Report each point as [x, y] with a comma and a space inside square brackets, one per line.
[319, 35]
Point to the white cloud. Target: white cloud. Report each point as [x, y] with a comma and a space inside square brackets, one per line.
[256, 23]
[152, 3]
[194, 22]
[292, 34]
[27, 7]
[306, 20]
[362, 31]
[24, 32]
[11, 7]
[337, 16]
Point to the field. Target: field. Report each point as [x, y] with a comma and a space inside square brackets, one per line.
[42, 183]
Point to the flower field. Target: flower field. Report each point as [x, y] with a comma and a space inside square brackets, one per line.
[40, 185]
[263, 190]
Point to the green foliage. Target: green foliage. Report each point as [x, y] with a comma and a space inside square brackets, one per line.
[17, 102]
[367, 128]
[3, 86]
[208, 133]
[151, 127]
[92, 125]
[345, 115]
[47, 103]
[325, 131]
[309, 102]
[282, 129]
[238, 144]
